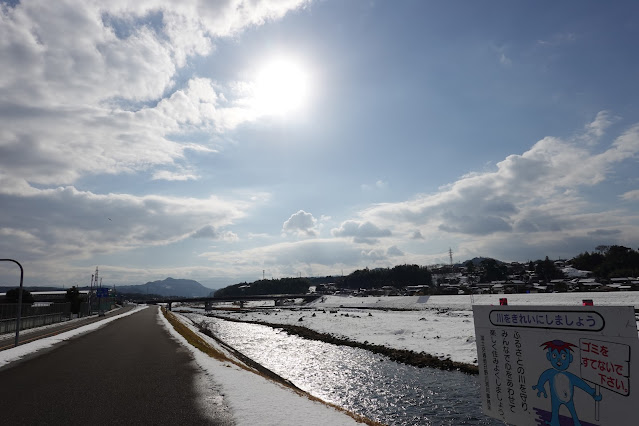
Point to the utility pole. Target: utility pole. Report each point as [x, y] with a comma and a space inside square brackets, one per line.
[89, 298]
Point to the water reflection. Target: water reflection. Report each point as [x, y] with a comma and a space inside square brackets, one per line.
[358, 380]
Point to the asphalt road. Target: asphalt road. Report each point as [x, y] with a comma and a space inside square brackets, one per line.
[7, 340]
[128, 372]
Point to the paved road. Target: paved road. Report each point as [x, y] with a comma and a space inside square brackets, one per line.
[7, 340]
[127, 372]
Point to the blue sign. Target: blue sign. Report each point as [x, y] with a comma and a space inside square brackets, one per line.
[102, 292]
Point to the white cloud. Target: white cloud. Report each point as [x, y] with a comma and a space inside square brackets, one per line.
[100, 81]
[535, 191]
[210, 232]
[596, 129]
[631, 195]
[313, 257]
[538, 196]
[302, 224]
[65, 223]
[505, 60]
[558, 39]
[173, 176]
[379, 185]
[362, 232]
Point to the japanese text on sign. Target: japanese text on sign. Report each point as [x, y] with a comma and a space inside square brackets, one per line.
[606, 364]
[562, 320]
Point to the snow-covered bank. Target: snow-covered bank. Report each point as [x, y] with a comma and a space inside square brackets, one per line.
[255, 400]
[464, 302]
[438, 325]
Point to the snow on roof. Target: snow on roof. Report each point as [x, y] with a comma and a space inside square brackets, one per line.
[572, 272]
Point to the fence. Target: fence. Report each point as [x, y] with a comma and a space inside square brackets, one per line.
[32, 315]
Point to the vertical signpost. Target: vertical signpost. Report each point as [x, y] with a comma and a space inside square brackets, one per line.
[558, 365]
[101, 293]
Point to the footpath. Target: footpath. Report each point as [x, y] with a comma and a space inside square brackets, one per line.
[7, 340]
[128, 372]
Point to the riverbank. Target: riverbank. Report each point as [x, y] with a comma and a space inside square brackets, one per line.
[441, 326]
[403, 356]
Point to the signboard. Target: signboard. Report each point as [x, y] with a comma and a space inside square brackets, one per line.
[558, 365]
[102, 292]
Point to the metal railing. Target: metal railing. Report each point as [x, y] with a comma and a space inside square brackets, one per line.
[33, 315]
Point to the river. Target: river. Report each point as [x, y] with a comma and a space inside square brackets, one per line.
[358, 380]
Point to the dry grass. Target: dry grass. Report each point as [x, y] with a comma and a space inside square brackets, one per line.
[194, 339]
[203, 346]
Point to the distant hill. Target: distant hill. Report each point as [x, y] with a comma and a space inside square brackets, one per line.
[168, 287]
[477, 261]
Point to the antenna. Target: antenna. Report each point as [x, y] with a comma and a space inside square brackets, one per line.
[450, 254]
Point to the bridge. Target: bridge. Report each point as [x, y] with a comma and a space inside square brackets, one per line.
[208, 301]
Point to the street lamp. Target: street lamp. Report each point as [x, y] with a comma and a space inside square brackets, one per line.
[19, 298]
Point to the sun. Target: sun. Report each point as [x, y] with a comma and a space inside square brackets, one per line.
[282, 87]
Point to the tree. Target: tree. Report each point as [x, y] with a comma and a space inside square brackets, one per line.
[492, 271]
[73, 296]
[470, 266]
[547, 270]
[13, 294]
[616, 261]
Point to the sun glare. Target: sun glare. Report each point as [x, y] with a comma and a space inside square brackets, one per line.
[281, 87]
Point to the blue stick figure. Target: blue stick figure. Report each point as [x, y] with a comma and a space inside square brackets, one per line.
[562, 382]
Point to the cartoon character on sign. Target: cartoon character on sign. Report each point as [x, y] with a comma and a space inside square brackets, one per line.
[562, 382]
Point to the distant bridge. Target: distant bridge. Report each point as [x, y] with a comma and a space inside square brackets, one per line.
[210, 300]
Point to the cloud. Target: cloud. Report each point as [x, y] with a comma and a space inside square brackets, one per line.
[541, 196]
[173, 176]
[604, 232]
[631, 195]
[302, 224]
[394, 251]
[558, 39]
[504, 60]
[536, 191]
[210, 232]
[101, 80]
[312, 257]
[596, 129]
[416, 235]
[65, 223]
[379, 185]
[362, 232]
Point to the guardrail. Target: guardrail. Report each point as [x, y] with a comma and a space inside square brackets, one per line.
[33, 315]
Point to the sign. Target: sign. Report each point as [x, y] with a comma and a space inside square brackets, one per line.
[558, 365]
[102, 292]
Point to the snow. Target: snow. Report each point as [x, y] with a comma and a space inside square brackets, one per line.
[256, 400]
[252, 398]
[439, 325]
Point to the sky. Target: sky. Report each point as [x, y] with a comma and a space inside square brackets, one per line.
[233, 140]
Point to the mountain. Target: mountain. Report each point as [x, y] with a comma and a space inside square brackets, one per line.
[168, 287]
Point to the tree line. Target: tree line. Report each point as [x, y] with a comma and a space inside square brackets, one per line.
[398, 276]
[609, 262]
[261, 287]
